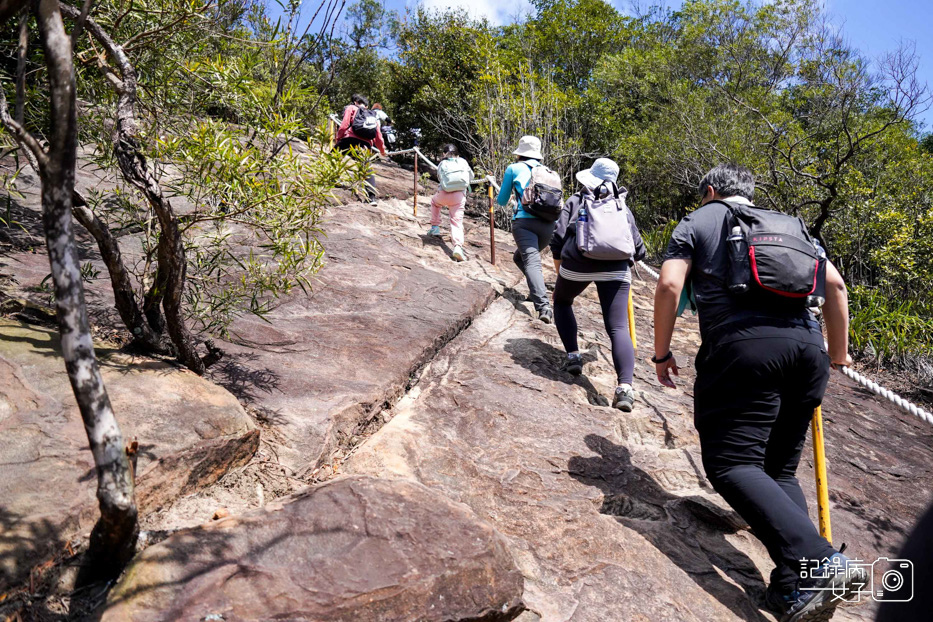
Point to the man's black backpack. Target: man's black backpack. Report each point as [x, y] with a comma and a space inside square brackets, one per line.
[772, 254]
[365, 123]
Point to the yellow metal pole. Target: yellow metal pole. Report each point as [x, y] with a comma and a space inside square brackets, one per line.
[819, 467]
[492, 228]
[631, 318]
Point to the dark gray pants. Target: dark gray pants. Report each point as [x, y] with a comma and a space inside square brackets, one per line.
[531, 236]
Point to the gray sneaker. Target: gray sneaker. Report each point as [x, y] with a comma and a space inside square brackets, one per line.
[573, 364]
[624, 399]
[546, 315]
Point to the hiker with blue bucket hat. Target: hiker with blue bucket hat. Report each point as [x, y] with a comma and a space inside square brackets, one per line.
[597, 241]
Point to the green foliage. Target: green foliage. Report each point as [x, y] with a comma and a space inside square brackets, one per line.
[888, 330]
[926, 143]
[238, 150]
[668, 94]
[657, 239]
[254, 234]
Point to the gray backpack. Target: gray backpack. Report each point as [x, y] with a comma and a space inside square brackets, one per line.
[604, 227]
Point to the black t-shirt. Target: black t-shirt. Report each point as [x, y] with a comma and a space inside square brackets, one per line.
[701, 237]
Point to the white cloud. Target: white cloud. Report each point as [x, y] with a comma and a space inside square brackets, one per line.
[501, 12]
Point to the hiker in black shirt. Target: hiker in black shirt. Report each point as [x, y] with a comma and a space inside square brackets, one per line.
[762, 369]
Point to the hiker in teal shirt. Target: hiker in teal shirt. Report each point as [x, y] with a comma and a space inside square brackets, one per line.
[531, 233]
[514, 180]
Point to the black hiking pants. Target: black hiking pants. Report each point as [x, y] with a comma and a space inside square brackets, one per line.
[350, 141]
[755, 393]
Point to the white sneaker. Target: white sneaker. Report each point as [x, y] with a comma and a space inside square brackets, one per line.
[458, 254]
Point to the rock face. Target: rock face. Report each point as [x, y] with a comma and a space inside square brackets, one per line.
[47, 492]
[387, 298]
[609, 515]
[352, 549]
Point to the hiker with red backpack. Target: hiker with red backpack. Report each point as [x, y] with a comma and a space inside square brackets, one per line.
[597, 240]
[454, 176]
[762, 369]
[539, 203]
[360, 128]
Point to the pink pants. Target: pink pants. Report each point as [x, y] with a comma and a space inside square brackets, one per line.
[454, 202]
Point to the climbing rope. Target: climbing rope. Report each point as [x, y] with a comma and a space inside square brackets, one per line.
[649, 270]
[869, 384]
[892, 397]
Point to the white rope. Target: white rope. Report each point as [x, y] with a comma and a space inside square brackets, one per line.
[425, 158]
[649, 270]
[869, 384]
[402, 152]
[892, 397]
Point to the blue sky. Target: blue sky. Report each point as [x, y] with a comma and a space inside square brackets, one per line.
[873, 26]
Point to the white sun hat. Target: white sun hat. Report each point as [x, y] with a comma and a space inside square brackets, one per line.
[529, 147]
[603, 170]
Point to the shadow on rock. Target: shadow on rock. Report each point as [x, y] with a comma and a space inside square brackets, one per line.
[544, 360]
[436, 240]
[245, 383]
[690, 531]
[519, 300]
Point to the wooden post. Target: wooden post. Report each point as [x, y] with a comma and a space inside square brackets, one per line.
[416, 183]
[331, 132]
[819, 468]
[492, 227]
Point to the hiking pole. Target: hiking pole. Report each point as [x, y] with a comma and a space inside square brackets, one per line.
[631, 318]
[416, 184]
[492, 226]
[819, 467]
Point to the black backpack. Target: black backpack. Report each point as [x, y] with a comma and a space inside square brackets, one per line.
[772, 255]
[365, 123]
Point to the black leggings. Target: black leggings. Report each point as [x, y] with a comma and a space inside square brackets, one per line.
[344, 145]
[613, 298]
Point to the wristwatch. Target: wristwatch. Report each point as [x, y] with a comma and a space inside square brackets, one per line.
[663, 359]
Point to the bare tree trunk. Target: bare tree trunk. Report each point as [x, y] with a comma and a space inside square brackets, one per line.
[171, 251]
[114, 535]
[123, 292]
[21, 50]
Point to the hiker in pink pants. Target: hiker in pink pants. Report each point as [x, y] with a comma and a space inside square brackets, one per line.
[455, 176]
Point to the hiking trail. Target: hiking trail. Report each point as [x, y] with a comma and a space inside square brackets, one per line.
[427, 408]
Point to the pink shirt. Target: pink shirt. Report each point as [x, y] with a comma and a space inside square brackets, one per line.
[346, 129]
